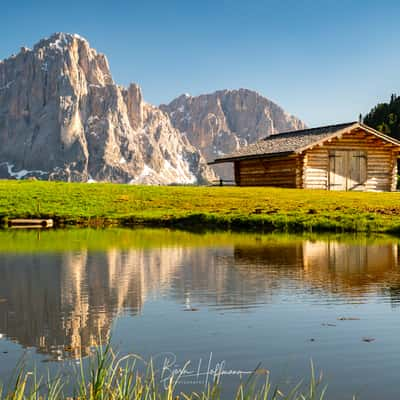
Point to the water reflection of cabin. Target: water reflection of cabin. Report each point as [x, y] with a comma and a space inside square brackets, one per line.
[349, 156]
[349, 268]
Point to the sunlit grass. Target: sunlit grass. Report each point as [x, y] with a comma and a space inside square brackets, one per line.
[239, 208]
[118, 378]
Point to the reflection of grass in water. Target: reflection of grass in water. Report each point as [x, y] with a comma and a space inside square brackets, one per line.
[118, 378]
[223, 207]
[118, 238]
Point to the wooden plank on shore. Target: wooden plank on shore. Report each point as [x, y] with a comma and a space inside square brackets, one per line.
[30, 223]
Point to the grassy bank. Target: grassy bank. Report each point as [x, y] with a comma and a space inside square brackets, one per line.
[261, 209]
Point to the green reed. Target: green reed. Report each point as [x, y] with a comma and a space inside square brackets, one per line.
[111, 377]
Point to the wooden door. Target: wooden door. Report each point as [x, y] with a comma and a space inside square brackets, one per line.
[347, 170]
[337, 170]
[357, 170]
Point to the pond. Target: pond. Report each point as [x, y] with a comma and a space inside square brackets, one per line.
[215, 300]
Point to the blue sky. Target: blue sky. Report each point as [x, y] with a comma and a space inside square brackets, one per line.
[324, 61]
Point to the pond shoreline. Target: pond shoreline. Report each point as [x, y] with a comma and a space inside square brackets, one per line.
[200, 208]
[199, 223]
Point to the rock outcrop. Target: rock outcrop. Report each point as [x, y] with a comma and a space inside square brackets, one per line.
[221, 122]
[62, 117]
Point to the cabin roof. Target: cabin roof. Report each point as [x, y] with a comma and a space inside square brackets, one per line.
[298, 141]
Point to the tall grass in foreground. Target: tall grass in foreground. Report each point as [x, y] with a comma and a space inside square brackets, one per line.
[113, 377]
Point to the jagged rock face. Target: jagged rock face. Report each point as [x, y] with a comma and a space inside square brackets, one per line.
[63, 117]
[221, 122]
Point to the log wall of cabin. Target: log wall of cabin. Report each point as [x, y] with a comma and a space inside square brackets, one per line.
[395, 156]
[273, 171]
[381, 161]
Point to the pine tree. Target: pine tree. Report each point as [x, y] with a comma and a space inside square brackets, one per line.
[385, 117]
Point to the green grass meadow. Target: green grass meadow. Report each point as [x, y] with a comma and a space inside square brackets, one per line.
[236, 208]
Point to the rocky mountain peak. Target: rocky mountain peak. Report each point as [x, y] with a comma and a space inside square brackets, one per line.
[220, 122]
[63, 117]
[60, 41]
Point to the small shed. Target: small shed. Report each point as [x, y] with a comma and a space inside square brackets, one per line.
[350, 156]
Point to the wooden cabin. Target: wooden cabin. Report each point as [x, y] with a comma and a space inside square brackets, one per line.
[349, 156]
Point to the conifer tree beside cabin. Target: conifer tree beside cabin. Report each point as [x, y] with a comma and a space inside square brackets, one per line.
[385, 117]
[350, 156]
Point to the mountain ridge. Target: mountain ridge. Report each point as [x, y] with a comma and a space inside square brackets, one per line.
[220, 122]
[62, 117]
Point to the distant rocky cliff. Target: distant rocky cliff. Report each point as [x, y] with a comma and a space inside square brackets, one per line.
[221, 122]
[63, 117]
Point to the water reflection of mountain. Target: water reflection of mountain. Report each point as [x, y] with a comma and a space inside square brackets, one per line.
[59, 303]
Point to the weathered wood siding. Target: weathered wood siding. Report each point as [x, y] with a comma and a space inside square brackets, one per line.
[356, 161]
[377, 174]
[315, 169]
[273, 171]
[395, 171]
